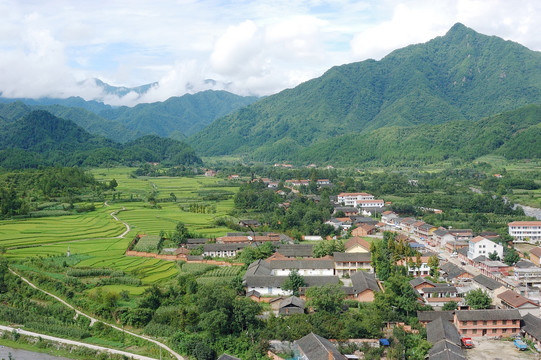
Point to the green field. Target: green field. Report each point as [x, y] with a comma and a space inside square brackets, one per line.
[94, 234]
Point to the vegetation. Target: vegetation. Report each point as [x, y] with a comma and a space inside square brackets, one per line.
[478, 299]
[40, 139]
[458, 76]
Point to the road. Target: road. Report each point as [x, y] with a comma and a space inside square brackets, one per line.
[128, 228]
[75, 343]
[94, 320]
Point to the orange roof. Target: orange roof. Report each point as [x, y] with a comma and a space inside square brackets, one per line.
[536, 251]
[478, 238]
[514, 299]
[354, 194]
[354, 241]
[525, 223]
[344, 219]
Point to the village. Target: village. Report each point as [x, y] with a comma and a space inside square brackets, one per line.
[445, 265]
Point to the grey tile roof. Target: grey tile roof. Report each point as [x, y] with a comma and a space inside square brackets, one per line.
[487, 282]
[524, 264]
[347, 257]
[440, 289]
[441, 232]
[419, 280]
[292, 301]
[532, 325]
[463, 251]
[259, 267]
[444, 350]
[427, 316]
[314, 347]
[196, 241]
[362, 281]
[452, 270]
[440, 329]
[296, 250]
[227, 357]
[491, 314]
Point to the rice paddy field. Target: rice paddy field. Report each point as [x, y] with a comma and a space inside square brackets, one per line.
[95, 235]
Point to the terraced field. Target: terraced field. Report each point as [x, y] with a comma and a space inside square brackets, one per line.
[24, 232]
[94, 234]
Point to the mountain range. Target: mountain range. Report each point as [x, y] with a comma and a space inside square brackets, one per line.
[41, 139]
[461, 95]
[462, 76]
[177, 117]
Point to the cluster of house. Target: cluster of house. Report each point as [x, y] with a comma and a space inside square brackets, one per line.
[352, 267]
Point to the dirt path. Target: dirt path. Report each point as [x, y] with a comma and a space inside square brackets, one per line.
[94, 320]
[128, 228]
[76, 343]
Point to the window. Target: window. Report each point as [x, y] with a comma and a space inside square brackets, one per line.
[504, 331]
[494, 331]
[504, 322]
[464, 323]
[514, 322]
[494, 322]
[474, 331]
[484, 322]
[475, 323]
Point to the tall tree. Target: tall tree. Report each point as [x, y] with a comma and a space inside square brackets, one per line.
[294, 282]
[478, 299]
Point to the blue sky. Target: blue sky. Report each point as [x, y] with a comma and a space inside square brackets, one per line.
[54, 48]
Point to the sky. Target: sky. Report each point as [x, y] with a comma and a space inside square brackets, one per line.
[55, 48]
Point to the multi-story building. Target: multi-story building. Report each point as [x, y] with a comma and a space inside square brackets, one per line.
[497, 323]
[349, 199]
[480, 246]
[521, 230]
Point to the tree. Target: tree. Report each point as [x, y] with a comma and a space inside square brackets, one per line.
[449, 306]
[181, 234]
[173, 197]
[511, 256]
[294, 282]
[329, 298]
[113, 184]
[324, 248]
[478, 299]
[494, 256]
[433, 264]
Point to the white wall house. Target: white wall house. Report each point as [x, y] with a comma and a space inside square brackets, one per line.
[303, 267]
[349, 199]
[481, 246]
[369, 203]
[521, 230]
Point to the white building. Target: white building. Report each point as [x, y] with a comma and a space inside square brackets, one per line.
[369, 203]
[349, 199]
[481, 246]
[521, 230]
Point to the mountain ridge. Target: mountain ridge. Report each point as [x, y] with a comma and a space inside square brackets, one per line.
[462, 75]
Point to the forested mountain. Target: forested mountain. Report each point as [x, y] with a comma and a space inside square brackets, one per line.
[42, 139]
[89, 121]
[185, 114]
[515, 134]
[463, 75]
[177, 117]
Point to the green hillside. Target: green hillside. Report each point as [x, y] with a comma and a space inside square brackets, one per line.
[186, 114]
[42, 139]
[460, 76]
[515, 134]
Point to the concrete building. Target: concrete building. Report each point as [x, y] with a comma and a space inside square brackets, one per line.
[480, 246]
[494, 323]
[522, 230]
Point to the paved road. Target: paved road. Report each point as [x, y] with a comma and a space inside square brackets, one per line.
[94, 320]
[19, 354]
[76, 343]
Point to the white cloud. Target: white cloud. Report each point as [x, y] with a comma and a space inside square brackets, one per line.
[255, 47]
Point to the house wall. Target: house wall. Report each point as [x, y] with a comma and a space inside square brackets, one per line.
[484, 247]
[357, 249]
[304, 272]
[270, 291]
[535, 259]
[497, 328]
[523, 231]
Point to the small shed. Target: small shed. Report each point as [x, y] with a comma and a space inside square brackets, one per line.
[291, 305]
